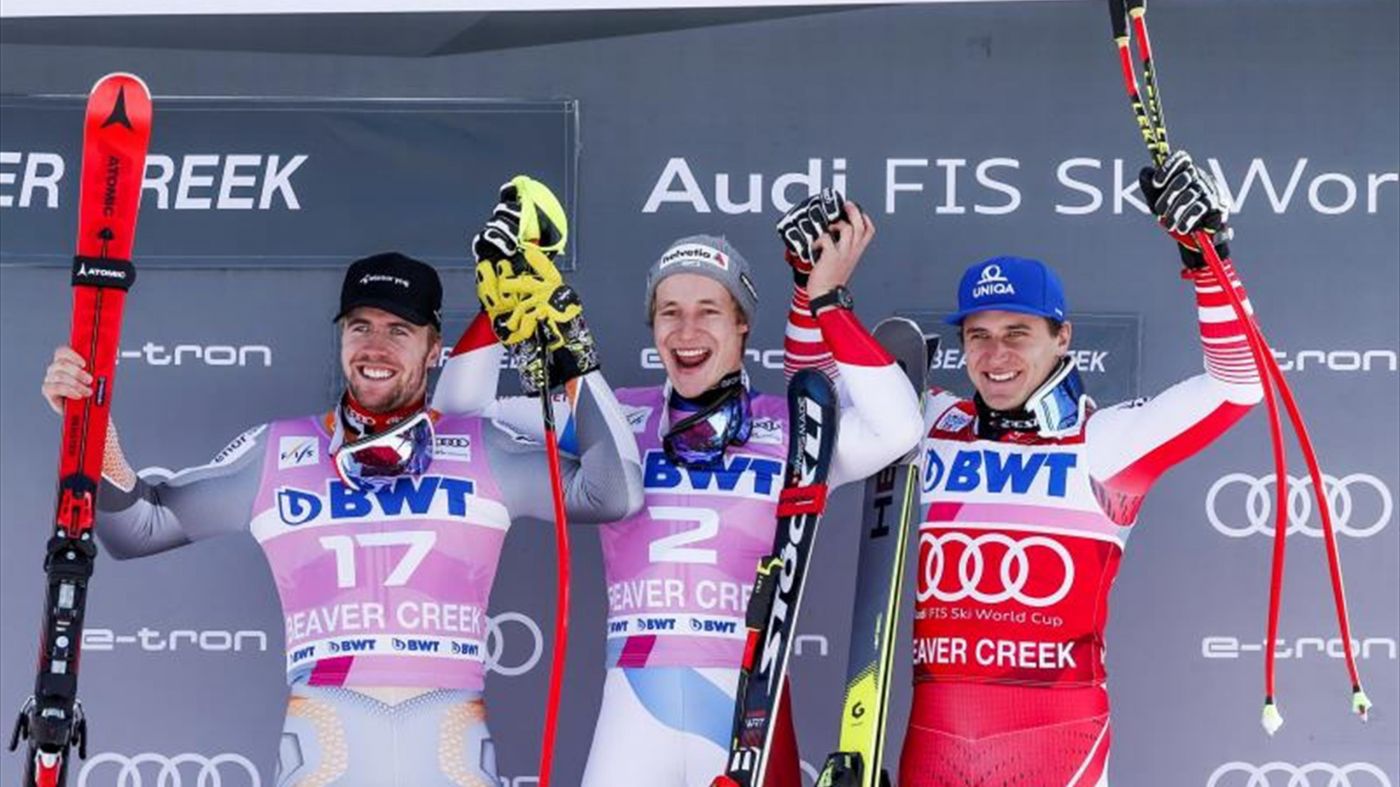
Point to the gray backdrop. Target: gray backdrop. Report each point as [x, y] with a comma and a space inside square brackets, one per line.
[968, 130]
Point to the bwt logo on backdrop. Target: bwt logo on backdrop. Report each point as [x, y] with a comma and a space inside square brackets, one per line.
[1312, 774]
[988, 186]
[153, 354]
[178, 770]
[198, 182]
[1240, 505]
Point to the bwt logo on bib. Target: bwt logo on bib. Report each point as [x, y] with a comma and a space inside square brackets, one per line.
[992, 471]
[352, 646]
[738, 474]
[424, 496]
[656, 624]
[713, 626]
[992, 282]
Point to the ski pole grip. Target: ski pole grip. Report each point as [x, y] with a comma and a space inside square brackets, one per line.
[1118, 14]
[103, 272]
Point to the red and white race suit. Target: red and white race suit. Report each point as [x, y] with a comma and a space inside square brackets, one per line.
[1018, 549]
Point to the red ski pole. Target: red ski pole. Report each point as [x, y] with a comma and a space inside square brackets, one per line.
[561, 596]
[1152, 124]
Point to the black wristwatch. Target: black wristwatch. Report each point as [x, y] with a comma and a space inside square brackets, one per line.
[837, 296]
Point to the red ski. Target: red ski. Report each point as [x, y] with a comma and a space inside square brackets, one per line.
[116, 132]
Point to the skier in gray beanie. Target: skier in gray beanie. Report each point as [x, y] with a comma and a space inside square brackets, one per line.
[711, 257]
[680, 570]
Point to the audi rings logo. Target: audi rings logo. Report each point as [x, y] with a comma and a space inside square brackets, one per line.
[1361, 505]
[1313, 774]
[507, 661]
[221, 770]
[1012, 577]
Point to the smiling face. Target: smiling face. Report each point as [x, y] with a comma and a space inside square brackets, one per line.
[698, 330]
[1010, 354]
[385, 358]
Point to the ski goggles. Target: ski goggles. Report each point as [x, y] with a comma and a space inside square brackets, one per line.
[374, 462]
[699, 439]
[1059, 404]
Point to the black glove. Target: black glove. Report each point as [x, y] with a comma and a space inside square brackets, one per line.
[801, 226]
[1185, 200]
[575, 357]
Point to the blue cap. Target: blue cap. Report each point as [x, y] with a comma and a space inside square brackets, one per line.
[1011, 284]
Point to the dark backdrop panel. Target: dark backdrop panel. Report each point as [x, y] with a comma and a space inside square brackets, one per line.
[967, 130]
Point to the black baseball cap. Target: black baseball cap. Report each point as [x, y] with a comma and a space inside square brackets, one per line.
[396, 283]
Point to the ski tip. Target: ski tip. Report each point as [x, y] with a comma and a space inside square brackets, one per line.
[1361, 704]
[121, 76]
[1271, 718]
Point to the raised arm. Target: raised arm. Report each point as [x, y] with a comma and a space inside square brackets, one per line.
[1133, 444]
[880, 419]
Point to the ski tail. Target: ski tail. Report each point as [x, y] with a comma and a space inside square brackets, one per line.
[890, 505]
[116, 135]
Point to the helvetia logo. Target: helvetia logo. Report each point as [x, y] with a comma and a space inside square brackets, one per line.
[693, 254]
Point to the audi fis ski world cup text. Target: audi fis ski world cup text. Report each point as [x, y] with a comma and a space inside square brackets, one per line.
[989, 186]
[35, 179]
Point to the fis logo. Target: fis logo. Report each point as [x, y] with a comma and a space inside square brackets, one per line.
[296, 452]
[739, 475]
[995, 472]
[428, 495]
[352, 646]
[417, 645]
[637, 417]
